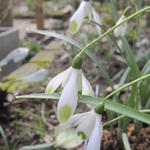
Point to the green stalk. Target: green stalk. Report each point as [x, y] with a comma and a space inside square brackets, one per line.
[4, 138]
[113, 28]
[125, 86]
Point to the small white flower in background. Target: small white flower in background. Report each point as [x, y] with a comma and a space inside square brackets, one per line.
[73, 81]
[120, 43]
[88, 127]
[121, 30]
[84, 10]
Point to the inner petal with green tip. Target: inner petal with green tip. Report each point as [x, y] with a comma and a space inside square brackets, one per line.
[50, 89]
[82, 135]
[73, 26]
[65, 113]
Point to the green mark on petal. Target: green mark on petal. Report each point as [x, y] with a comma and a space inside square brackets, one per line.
[65, 113]
[50, 90]
[79, 93]
[82, 135]
[73, 26]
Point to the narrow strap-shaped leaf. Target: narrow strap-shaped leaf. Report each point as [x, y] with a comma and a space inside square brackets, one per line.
[55, 96]
[4, 138]
[56, 35]
[124, 77]
[110, 105]
[146, 68]
[130, 58]
[125, 141]
[122, 116]
[127, 111]
[39, 147]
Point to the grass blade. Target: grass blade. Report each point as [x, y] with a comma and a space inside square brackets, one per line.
[130, 58]
[122, 116]
[55, 96]
[38, 147]
[4, 138]
[125, 141]
[127, 111]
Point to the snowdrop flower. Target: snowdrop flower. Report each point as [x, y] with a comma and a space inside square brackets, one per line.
[121, 30]
[84, 10]
[73, 82]
[88, 127]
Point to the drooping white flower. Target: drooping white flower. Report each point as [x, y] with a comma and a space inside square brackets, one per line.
[88, 127]
[121, 30]
[73, 81]
[84, 10]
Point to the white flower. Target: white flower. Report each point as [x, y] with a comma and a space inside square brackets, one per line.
[121, 30]
[84, 10]
[73, 81]
[120, 43]
[88, 127]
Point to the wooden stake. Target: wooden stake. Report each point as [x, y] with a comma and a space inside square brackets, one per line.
[5, 13]
[39, 14]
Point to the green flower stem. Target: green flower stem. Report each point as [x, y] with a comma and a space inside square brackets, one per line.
[97, 108]
[77, 62]
[113, 28]
[125, 86]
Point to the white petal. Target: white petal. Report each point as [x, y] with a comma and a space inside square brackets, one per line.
[87, 10]
[96, 18]
[57, 81]
[68, 99]
[73, 121]
[78, 16]
[86, 87]
[95, 139]
[86, 125]
[121, 30]
[120, 44]
[67, 74]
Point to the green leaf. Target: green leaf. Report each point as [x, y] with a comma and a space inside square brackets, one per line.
[130, 58]
[114, 10]
[39, 147]
[55, 96]
[110, 105]
[125, 141]
[57, 35]
[127, 111]
[146, 68]
[122, 116]
[124, 77]
[4, 138]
